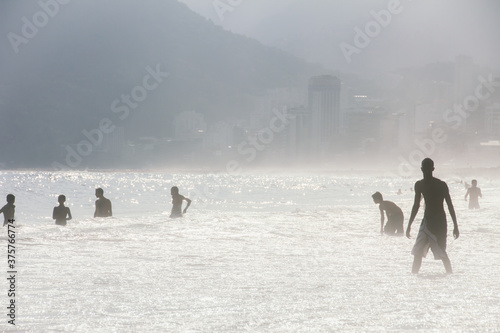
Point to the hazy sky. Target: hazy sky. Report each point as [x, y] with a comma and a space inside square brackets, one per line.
[91, 52]
[418, 32]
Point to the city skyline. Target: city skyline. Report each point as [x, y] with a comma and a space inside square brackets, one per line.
[361, 126]
[194, 91]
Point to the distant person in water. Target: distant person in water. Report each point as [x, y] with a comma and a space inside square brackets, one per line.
[61, 213]
[395, 217]
[433, 230]
[473, 193]
[102, 204]
[9, 209]
[177, 203]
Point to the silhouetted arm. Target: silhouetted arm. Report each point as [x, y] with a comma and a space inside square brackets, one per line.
[110, 210]
[1, 211]
[54, 213]
[69, 217]
[416, 206]
[188, 204]
[467, 194]
[381, 219]
[451, 209]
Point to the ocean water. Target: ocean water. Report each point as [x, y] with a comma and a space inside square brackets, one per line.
[254, 253]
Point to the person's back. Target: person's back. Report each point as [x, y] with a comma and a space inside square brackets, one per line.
[391, 209]
[395, 217]
[177, 200]
[61, 213]
[102, 204]
[103, 207]
[177, 205]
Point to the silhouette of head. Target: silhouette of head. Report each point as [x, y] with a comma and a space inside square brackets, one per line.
[377, 197]
[474, 182]
[99, 192]
[427, 165]
[174, 190]
[11, 198]
[61, 198]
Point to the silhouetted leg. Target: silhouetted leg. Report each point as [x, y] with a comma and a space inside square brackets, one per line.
[447, 265]
[417, 262]
[390, 228]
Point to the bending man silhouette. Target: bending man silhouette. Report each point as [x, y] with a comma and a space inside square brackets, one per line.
[433, 229]
[395, 217]
[102, 204]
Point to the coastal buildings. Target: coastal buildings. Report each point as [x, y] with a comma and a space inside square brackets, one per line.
[324, 110]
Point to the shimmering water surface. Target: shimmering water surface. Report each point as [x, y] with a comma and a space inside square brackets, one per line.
[254, 253]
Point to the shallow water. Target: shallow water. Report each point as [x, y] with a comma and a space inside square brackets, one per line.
[256, 253]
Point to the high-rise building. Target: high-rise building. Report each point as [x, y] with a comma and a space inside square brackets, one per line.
[324, 107]
[464, 78]
[465, 81]
[298, 133]
[492, 121]
[189, 125]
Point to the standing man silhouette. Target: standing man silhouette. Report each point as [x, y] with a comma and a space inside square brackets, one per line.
[61, 213]
[9, 209]
[102, 204]
[433, 230]
[474, 193]
[177, 200]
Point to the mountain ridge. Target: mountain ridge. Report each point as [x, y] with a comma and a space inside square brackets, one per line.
[91, 53]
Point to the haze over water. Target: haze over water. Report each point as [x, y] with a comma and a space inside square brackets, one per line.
[257, 253]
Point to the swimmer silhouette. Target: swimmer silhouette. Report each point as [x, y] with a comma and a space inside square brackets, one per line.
[61, 213]
[102, 204]
[474, 193]
[433, 230]
[177, 203]
[9, 209]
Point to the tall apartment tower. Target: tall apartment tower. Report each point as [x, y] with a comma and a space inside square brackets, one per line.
[465, 78]
[324, 108]
[492, 121]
